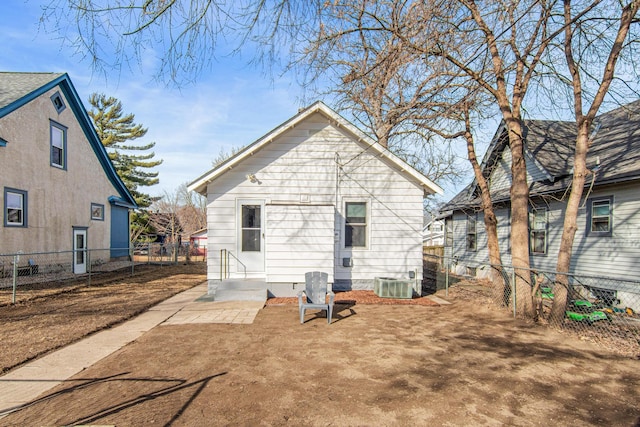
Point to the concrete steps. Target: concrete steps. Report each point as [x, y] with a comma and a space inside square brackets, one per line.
[240, 290]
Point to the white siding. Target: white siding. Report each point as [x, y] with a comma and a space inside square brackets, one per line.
[299, 239]
[300, 168]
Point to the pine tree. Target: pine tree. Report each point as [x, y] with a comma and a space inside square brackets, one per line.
[116, 131]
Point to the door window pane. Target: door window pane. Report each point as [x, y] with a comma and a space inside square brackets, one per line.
[80, 249]
[251, 228]
[250, 216]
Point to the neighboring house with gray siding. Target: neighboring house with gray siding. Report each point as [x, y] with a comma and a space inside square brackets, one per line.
[60, 191]
[314, 194]
[607, 242]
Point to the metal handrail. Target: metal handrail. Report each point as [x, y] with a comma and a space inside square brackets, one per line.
[224, 264]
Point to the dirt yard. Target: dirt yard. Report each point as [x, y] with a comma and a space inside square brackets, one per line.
[49, 317]
[383, 365]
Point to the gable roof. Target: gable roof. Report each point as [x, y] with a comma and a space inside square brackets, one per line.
[18, 89]
[200, 184]
[614, 155]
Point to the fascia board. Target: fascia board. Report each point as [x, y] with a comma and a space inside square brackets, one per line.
[76, 105]
[94, 140]
[200, 184]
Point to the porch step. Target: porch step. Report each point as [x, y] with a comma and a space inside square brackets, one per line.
[241, 290]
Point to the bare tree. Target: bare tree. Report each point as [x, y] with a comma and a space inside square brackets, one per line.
[192, 210]
[496, 47]
[414, 103]
[119, 34]
[592, 48]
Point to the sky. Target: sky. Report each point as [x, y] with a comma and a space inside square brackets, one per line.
[230, 106]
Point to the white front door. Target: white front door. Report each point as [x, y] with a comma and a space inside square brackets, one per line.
[250, 236]
[79, 251]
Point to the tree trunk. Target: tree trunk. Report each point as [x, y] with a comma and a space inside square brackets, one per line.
[520, 220]
[570, 224]
[490, 221]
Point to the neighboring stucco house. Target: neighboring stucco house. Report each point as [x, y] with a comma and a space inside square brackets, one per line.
[60, 191]
[607, 242]
[314, 194]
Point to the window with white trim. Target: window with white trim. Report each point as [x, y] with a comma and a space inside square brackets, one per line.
[600, 216]
[472, 236]
[97, 212]
[448, 231]
[15, 208]
[538, 221]
[355, 227]
[58, 145]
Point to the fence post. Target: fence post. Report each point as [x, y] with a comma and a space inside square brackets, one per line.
[513, 291]
[89, 265]
[15, 277]
[133, 261]
[446, 279]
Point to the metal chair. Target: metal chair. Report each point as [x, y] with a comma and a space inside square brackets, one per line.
[316, 293]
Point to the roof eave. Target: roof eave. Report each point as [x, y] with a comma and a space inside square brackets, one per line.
[200, 184]
[64, 82]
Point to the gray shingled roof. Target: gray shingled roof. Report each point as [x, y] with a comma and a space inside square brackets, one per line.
[14, 86]
[614, 154]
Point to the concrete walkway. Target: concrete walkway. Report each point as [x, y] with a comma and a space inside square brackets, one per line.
[24, 384]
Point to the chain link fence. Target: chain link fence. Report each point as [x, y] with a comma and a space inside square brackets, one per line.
[602, 310]
[41, 273]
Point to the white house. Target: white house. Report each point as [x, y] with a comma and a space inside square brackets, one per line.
[60, 191]
[315, 193]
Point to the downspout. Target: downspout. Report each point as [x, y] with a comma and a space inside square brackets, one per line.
[337, 226]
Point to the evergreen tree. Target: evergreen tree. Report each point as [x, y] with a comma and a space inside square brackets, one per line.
[117, 131]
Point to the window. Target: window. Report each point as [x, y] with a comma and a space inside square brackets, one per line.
[58, 102]
[251, 228]
[355, 228]
[472, 243]
[97, 212]
[58, 145]
[15, 208]
[538, 231]
[448, 232]
[600, 216]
